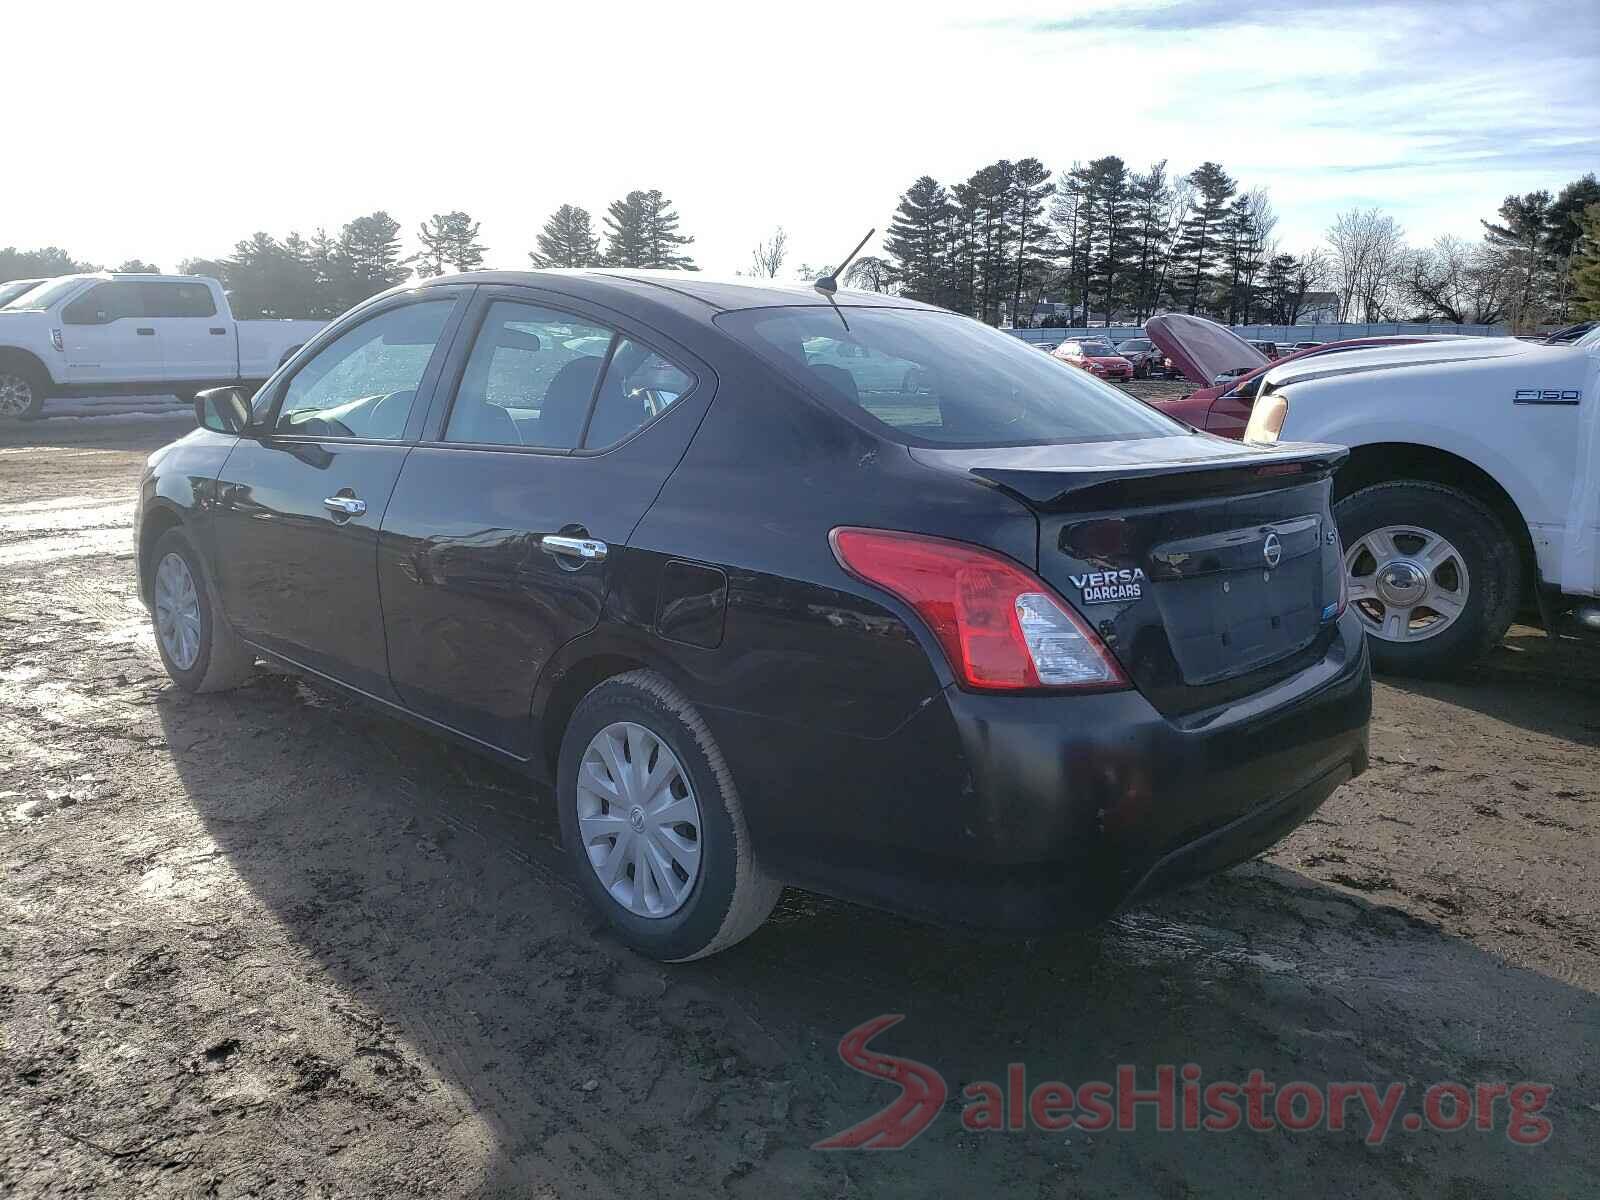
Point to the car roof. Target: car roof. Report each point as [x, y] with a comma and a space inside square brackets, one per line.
[717, 295]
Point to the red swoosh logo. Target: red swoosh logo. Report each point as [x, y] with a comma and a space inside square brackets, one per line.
[922, 1092]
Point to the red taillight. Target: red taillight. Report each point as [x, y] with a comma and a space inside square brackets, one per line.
[1000, 626]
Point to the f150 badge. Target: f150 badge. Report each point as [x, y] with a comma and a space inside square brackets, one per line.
[1101, 587]
[1547, 396]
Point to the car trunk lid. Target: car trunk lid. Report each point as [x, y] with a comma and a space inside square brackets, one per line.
[1210, 570]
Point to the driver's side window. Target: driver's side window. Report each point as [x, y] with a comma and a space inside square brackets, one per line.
[364, 383]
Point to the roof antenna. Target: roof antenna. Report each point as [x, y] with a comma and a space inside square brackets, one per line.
[829, 283]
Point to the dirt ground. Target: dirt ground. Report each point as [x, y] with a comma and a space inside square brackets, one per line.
[270, 944]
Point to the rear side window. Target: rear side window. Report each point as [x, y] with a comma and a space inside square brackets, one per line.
[933, 378]
[177, 300]
[543, 378]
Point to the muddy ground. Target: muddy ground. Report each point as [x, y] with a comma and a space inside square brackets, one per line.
[268, 943]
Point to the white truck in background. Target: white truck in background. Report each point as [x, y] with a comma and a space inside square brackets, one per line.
[1472, 487]
[88, 334]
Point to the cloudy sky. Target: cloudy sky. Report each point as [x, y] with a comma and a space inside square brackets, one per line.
[168, 130]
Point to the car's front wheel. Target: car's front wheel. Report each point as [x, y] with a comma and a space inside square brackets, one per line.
[198, 649]
[653, 823]
[1431, 572]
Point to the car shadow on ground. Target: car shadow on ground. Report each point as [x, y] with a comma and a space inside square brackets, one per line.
[1543, 686]
[428, 886]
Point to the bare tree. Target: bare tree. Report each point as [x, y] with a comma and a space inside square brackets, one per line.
[1459, 281]
[871, 273]
[1370, 260]
[766, 260]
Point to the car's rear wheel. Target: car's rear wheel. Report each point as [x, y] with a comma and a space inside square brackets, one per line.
[198, 649]
[1432, 574]
[653, 822]
[22, 392]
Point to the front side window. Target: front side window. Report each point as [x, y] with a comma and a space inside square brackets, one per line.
[177, 300]
[104, 303]
[364, 383]
[932, 378]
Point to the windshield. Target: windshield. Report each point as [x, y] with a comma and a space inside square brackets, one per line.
[42, 297]
[1096, 349]
[1134, 344]
[937, 379]
[10, 291]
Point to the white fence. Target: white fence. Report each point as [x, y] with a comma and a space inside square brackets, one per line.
[1269, 333]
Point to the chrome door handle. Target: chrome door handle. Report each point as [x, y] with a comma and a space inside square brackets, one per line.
[345, 506]
[586, 549]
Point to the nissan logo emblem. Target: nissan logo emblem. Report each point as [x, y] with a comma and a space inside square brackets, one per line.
[1272, 550]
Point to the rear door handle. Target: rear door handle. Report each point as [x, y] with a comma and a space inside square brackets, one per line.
[145, 331]
[346, 506]
[582, 549]
[216, 331]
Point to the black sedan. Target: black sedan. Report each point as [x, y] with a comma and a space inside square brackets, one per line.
[778, 587]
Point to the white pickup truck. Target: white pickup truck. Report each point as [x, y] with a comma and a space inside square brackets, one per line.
[101, 333]
[1472, 488]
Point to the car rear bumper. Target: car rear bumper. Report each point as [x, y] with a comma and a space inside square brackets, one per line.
[1039, 812]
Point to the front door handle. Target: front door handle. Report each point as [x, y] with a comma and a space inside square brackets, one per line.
[345, 506]
[583, 549]
[145, 331]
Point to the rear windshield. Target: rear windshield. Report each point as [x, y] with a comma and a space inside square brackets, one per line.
[937, 379]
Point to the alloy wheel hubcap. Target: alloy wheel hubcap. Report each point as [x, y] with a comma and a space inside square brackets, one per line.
[177, 612]
[1406, 583]
[16, 395]
[638, 820]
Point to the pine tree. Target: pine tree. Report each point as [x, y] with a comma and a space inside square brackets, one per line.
[1149, 199]
[1030, 189]
[1200, 240]
[1586, 264]
[1111, 243]
[137, 266]
[369, 248]
[992, 188]
[448, 240]
[1563, 233]
[642, 231]
[916, 241]
[567, 240]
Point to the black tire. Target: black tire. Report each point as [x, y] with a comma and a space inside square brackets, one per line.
[223, 661]
[1487, 548]
[731, 896]
[30, 380]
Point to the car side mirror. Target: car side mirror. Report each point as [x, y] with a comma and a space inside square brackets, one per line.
[222, 410]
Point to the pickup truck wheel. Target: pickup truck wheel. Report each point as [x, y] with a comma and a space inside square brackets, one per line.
[653, 823]
[1432, 574]
[22, 392]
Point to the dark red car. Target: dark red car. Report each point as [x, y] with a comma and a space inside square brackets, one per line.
[1229, 369]
[1097, 356]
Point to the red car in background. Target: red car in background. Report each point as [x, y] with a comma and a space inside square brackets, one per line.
[1229, 369]
[1096, 356]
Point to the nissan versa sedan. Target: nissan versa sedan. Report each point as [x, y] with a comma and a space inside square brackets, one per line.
[778, 586]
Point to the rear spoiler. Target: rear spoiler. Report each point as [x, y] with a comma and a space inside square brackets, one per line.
[1132, 487]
